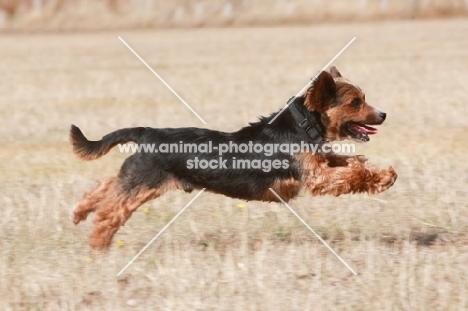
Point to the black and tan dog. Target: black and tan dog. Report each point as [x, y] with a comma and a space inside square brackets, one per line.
[332, 109]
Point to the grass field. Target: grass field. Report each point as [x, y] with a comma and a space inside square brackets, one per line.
[409, 245]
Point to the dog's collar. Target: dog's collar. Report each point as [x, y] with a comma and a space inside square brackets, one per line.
[310, 125]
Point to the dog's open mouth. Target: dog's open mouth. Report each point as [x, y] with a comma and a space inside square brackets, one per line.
[360, 131]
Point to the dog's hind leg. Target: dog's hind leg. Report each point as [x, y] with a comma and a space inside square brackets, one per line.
[91, 199]
[117, 207]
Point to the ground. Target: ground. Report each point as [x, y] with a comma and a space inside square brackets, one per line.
[408, 245]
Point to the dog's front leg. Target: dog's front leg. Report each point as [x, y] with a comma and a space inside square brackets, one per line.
[355, 177]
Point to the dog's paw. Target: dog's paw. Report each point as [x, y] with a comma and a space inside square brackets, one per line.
[385, 179]
[356, 161]
[77, 217]
[361, 158]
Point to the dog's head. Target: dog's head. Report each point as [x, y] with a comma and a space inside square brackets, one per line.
[344, 111]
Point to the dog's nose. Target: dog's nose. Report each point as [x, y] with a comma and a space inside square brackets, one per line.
[383, 115]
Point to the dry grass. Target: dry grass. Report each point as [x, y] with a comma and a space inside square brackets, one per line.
[409, 245]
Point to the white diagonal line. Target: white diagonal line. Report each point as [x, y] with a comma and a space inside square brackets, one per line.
[301, 92]
[313, 231]
[160, 232]
[162, 80]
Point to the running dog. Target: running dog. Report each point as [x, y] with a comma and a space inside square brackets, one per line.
[332, 109]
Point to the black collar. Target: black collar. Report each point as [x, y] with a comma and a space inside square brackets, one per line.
[311, 125]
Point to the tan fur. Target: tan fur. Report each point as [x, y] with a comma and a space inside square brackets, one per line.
[114, 207]
[319, 178]
[285, 188]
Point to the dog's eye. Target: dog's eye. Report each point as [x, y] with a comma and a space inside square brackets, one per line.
[356, 103]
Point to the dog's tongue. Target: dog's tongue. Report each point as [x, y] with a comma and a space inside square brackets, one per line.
[362, 128]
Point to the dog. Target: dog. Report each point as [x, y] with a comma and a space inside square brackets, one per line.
[332, 109]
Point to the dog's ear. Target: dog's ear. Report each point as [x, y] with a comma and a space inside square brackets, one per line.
[321, 94]
[335, 72]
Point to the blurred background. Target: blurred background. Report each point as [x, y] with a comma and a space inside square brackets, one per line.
[115, 14]
[61, 63]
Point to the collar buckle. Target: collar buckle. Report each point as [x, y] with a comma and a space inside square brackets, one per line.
[312, 129]
[305, 124]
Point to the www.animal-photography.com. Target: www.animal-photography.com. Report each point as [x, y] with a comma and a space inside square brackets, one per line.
[234, 155]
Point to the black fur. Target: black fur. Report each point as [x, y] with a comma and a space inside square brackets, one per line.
[90, 150]
[153, 169]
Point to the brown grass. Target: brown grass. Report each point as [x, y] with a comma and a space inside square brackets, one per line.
[409, 245]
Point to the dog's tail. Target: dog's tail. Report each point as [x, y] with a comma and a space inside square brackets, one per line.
[91, 150]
